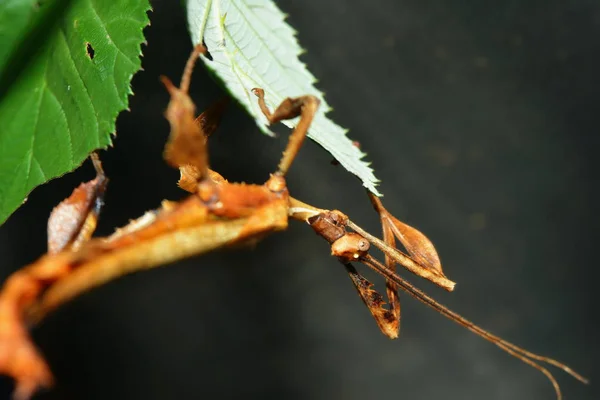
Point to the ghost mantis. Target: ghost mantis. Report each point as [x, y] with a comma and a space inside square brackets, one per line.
[217, 214]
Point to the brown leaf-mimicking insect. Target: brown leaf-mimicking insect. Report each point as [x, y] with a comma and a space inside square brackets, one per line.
[217, 214]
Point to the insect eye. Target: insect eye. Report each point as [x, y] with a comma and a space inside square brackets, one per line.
[363, 245]
[350, 247]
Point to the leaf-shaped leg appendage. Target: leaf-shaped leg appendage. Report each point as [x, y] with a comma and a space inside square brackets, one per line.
[354, 246]
[388, 321]
[420, 248]
[404, 260]
[390, 287]
[208, 122]
[74, 220]
[187, 141]
[348, 247]
[70, 225]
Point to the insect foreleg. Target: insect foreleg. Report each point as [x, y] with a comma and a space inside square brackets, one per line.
[348, 247]
[354, 246]
[387, 319]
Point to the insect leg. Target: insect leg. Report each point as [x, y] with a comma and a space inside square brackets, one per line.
[388, 320]
[347, 247]
[305, 107]
[187, 141]
[186, 147]
[70, 226]
[390, 287]
[208, 122]
[73, 221]
[354, 246]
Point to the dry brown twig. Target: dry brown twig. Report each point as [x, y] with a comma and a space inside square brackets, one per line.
[217, 214]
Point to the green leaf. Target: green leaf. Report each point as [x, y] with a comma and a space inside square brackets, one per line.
[15, 16]
[252, 46]
[65, 69]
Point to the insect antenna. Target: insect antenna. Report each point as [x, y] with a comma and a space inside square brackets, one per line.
[516, 351]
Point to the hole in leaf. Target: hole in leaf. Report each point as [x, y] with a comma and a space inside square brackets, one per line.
[90, 51]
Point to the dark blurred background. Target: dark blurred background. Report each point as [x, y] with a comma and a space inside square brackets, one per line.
[481, 121]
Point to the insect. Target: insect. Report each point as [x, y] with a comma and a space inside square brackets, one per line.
[217, 214]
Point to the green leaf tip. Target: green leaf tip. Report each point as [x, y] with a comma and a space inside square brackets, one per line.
[64, 79]
[255, 47]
